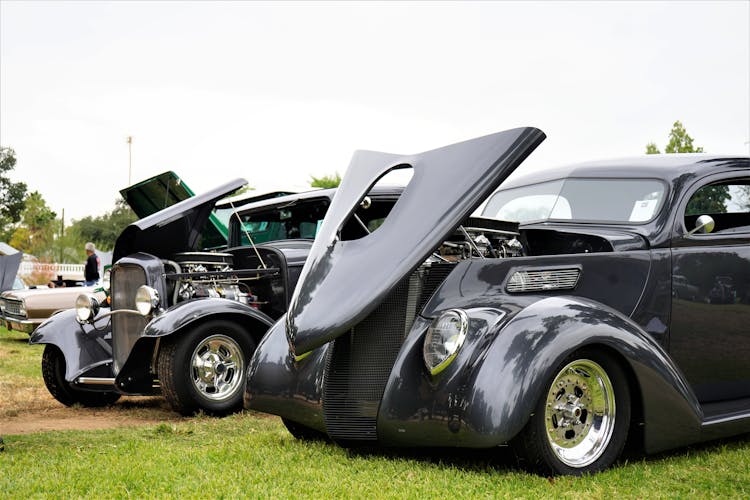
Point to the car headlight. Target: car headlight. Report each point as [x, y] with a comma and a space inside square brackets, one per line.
[146, 300]
[87, 307]
[444, 338]
[2, 305]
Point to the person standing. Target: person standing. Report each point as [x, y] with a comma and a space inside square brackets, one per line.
[91, 271]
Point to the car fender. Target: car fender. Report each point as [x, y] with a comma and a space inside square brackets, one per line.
[186, 313]
[486, 396]
[133, 376]
[84, 346]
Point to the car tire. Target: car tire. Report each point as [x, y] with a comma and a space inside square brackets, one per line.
[53, 373]
[302, 432]
[204, 368]
[580, 422]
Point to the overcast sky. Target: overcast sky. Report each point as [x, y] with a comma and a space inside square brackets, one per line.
[275, 93]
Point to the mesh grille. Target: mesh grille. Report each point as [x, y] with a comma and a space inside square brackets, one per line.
[13, 306]
[361, 360]
[126, 328]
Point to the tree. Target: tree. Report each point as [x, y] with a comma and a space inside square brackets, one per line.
[12, 194]
[104, 229]
[36, 232]
[679, 142]
[327, 181]
[708, 200]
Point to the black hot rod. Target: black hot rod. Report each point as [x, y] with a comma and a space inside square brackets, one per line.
[589, 306]
[189, 303]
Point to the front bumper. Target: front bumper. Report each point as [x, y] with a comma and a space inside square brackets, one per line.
[21, 325]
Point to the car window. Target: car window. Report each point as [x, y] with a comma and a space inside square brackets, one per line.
[18, 284]
[295, 220]
[728, 203]
[580, 199]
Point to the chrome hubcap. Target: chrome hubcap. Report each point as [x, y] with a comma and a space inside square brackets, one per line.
[217, 367]
[580, 413]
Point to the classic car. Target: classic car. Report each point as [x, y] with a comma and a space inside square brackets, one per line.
[550, 323]
[25, 309]
[184, 321]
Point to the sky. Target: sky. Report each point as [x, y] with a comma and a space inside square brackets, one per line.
[276, 93]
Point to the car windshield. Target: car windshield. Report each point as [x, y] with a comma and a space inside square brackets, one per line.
[579, 199]
[300, 219]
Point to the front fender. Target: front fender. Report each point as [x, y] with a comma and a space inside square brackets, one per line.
[183, 314]
[280, 385]
[486, 396]
[84, 347]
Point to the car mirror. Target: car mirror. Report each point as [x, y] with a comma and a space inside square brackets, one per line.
[703, 224]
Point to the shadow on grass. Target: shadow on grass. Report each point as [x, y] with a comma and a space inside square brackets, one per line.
[503, 459]
[500, 459]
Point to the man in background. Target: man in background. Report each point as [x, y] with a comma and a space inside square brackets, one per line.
[91, 272]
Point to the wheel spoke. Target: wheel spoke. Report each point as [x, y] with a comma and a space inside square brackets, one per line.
[217, 364]
[580, 413]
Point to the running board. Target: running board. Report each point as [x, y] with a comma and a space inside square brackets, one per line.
[95, 381]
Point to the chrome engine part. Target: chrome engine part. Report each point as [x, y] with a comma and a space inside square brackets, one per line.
[483, 238]
[201, 283]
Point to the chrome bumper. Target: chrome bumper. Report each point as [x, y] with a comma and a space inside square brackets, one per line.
[20, 325]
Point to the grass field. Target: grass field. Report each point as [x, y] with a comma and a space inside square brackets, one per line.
[253, 455]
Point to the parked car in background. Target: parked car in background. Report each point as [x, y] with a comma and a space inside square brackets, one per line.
[184, 321]
[26, 308]
[551, 323]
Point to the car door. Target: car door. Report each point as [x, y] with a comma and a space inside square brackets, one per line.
[710, 321]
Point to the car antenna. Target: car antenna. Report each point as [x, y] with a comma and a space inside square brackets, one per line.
[247, 233]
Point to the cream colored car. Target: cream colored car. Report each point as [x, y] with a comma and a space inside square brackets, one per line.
[24, 310]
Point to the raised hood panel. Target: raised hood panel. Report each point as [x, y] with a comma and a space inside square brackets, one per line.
[8, 268]
[157, 193]
[177, 228]
[343, 281]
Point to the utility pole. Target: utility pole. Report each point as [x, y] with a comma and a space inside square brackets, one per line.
[130, 157]
[62, 234]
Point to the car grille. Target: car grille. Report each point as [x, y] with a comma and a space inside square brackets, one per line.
[13, 307]
[360, 361]
[126, 328]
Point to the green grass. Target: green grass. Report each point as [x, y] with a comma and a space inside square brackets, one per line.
[253, 455]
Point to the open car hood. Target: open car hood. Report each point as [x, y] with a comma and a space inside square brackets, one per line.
[157, 193]
[343, 281]
[177, 228]
[8, 269]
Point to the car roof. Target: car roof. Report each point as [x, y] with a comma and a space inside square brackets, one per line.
[667, 167]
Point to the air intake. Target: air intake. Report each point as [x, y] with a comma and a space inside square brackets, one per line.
[543, 280]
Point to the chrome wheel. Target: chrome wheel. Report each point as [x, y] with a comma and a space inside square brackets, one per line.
[579, 414]
[217, 367]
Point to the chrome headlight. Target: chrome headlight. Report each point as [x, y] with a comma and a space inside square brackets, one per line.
[444, 338]
[2, 305]
[87, 308]
[146, 300]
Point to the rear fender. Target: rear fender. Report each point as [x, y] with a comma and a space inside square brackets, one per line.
[85, 348]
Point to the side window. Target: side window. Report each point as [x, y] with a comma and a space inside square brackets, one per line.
[727, 202]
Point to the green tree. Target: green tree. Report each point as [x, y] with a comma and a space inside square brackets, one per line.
[327, 181]
[36, 232]
[104, 229]
[679, 142]
[12, 195]
[708, 200]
